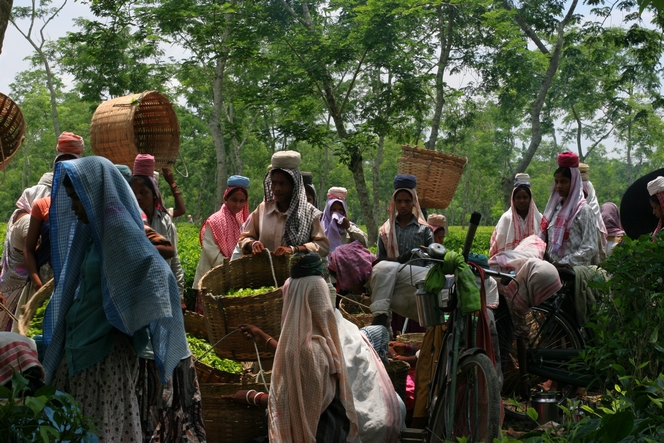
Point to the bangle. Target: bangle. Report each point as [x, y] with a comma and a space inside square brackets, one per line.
[257, 398]
[292, 249]
[267, 341]
[253, 243]
[246, 397]
[174, 185]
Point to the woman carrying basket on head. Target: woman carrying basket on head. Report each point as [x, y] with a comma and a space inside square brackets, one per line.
[284, 223]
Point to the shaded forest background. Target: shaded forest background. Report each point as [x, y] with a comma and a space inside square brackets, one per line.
[509, 84]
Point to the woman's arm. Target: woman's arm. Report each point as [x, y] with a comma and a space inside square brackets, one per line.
[179, 208]
[319, 242]
[356, 233]
[31, 240]
[249, 237]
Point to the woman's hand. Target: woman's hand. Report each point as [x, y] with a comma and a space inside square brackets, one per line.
[168, 175]
[250, 331]
[257, 247]
[345, 223]
[283, 250]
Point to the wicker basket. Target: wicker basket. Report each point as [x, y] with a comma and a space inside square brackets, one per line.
[438, 174]
[208, 374]
[194, 324]
[362, 319]
[413, 338]
[398, 371]
[30, 308]
[135, 124]
[12, 129]
[227, 421]
[224, 314]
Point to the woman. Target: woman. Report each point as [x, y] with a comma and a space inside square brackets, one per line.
[520, 221]
[284, 223]
[406, 227]
[569, 227]
[614, 228]
[221, 231]
[147, 193]
[438, 224]
[656, 191]
[111, 298]
[338, 229]
[14, 274]
[328, 384]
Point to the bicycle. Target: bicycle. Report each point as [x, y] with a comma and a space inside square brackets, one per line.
[554, 341]
[464, 393]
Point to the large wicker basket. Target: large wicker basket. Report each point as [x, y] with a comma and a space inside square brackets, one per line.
[12, 129]
[194, 324]
[398, 372]
[208, 374]
[224, 314]
[135, 124]
[438, 174]
[227, 421]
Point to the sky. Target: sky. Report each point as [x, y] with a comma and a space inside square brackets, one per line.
[16, 48]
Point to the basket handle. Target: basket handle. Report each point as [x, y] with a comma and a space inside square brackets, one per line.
[186, 170]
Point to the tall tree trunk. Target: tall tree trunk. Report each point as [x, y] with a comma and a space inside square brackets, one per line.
[629, 153]
[216, 129]
[445, 37]
[5, 12]
[376, 177]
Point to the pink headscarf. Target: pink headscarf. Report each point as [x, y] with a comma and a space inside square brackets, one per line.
[611, 217]
[352, 264]
[226, 227]
[570, 207]
[387, 232]
[144, 167]
[70, 143]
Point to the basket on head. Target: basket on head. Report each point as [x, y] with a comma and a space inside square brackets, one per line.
[412, 338]
[135, 124]
[224, 314]
[12, 129]
[355, 313]
[438, 174]
[227, 421]
[398, 371]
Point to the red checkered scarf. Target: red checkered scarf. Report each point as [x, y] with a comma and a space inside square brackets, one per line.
[15, 354]
[563, 222]
[225, 226]
[351, 263]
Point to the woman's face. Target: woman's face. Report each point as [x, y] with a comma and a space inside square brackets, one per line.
[235, 201]
[337, 207]
[522, 201]
[144, 195]
[657, 210]
[282, 187]
[562, 184]
[77, 206]
[439, 236]
[403, 201]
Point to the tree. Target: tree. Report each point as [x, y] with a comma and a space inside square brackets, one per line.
[5, 12]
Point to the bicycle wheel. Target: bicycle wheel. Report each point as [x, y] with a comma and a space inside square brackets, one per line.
[476, 401]
[549, 330]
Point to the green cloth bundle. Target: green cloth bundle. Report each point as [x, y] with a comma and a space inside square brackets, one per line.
[467, 291]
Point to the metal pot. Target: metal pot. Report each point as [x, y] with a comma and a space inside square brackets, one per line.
[428, 307]
[546, 405]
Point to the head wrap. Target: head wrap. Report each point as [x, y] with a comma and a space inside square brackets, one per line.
[568, 159]
[117, 233]
[510, 231]
[387, 232]
[286, 160]
[611, 217]
[656, 186]
[144, 165]
[584, 170]
[405, 181]
[300, 214]
[536, 281]
[352, 264]
[521, 179]
[307, 178]
[331, 222]
[46, 179]
[30, 195]
[125, 171]
[305, 265]
[570, 207]
[437, 221]
[70, 143]
[337, 192]
[226, 227]
[237, 181]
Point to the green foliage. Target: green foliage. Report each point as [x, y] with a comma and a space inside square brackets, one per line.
[37, 323]
[245, 292]
[189, 251]
[456, 236]
[203, 352]
[628, 343]
[44, 416]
